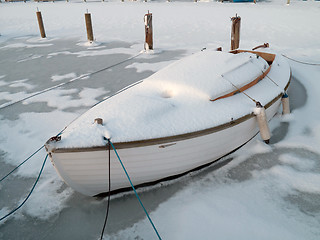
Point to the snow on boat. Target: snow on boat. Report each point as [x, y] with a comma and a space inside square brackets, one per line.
[185, 116]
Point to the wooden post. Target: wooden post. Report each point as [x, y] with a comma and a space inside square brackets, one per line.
[89, 26]
[235, 32]
[40, 22]
[148, 45]
[255, 1]
[288, 2]
[98, 121]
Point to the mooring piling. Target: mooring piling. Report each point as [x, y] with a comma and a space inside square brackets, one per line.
[235, 32]
[40, 22]
[148, 45]
[98, 121]
[87, 16]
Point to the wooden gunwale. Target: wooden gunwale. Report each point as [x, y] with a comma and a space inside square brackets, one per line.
[180, 137]
[269, 57]
[169, 139]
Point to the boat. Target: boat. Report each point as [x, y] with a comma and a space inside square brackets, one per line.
[187, 115]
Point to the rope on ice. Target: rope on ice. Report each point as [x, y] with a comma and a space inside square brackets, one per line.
[312, 64]
[5, 105]
[124, 169]
[21, 164]
[109, 193]
[31, 191]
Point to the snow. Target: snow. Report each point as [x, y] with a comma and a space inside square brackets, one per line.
[265, 192]
[154, 67]
[62, 77]
[21, 83]
[299, 163]
[174, 101]
[21, 45]
[63, 99]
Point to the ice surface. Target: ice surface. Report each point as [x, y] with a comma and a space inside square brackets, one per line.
[299, 163]
[265, 192]
[149, 66]
[63, 99]
[62, 77]
[21, 45]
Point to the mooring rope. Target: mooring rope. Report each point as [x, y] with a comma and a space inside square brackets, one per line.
[266, 75]
[272, 80]
[136, 83]
[5, 105]
[124, 169]
[109, 194]
[21, 164]
[30, 157]
[251, 98]
[31, 191]
[312, 64]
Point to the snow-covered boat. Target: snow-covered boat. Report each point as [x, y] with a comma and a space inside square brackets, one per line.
[187, 115]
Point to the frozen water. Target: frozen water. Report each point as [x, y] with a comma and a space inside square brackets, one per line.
[259, 192]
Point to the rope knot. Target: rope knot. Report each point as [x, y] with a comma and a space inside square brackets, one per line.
[55, 139]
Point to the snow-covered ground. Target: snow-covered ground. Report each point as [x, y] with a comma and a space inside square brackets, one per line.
[265, 192]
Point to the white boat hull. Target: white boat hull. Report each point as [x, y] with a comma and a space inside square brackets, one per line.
[87, 171]
[200, 119]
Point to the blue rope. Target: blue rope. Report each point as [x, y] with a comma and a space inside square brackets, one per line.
[21, 164]
[135, 190]
[34, 185]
